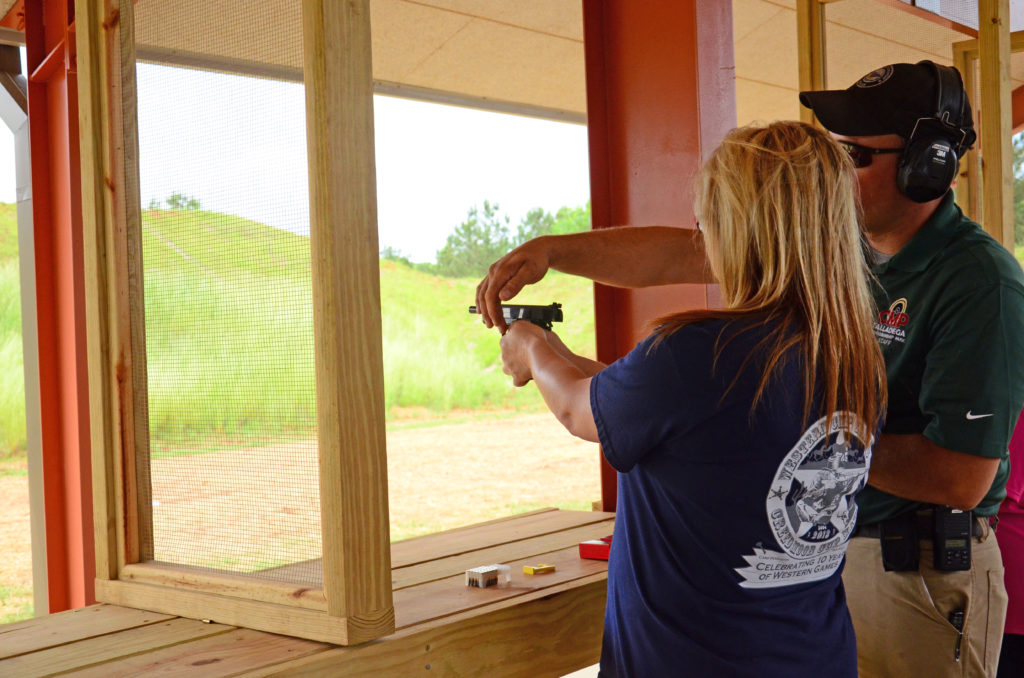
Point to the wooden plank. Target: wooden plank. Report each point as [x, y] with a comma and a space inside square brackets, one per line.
[549, 634]
[477, 537]
[513, 551]
[100, 274]
[970, 47]
[810, 36]
[91, 651]
[225, 654]
[996, 119]
[968, 183]
[346, 315]
[463, 540]
[450, 596]
[66, 627]
[443, 554]
[253, 614]
[138, 491]
[180, 577]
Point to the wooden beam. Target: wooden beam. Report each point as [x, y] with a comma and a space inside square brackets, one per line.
[996, 128]
[253, 614]
[971, 49]
[346, 316]
[552, 635]
[185, 578]
[968, 184]
[810, 36]
[101, 274]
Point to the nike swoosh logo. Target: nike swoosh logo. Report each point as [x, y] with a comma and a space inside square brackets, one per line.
[977, 416]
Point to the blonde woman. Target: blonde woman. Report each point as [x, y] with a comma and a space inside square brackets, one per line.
[741, 435]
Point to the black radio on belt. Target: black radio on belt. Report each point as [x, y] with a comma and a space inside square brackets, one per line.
[952, 536]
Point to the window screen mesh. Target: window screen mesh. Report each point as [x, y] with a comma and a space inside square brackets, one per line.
[228, 297]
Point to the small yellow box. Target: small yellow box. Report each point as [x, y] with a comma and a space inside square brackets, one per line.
[538, 569]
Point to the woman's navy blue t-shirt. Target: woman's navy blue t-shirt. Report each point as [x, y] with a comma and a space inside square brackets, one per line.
[731, 526]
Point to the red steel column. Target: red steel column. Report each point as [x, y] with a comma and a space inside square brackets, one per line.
[660, 95]
[1017, 102]
[53, 129]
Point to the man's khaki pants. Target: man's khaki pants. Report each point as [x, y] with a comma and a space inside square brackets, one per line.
[902, 618]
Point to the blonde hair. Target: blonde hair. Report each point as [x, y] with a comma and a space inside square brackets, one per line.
[777, 205]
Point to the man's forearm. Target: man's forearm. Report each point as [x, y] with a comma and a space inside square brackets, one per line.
[913, 467]
[632, 256]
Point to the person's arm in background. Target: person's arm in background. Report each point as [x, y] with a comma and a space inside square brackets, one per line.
[912, 467]
[527, 354]
[630, 256]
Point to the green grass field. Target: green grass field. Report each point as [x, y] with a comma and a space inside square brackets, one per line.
[12, 371]
[229, 336]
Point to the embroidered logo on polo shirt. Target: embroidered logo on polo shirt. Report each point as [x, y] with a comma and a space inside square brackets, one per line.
[889, 326]
[811, 507]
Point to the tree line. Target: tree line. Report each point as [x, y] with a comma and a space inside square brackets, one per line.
[486, 234]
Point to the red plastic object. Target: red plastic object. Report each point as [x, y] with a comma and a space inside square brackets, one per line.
[596, 549]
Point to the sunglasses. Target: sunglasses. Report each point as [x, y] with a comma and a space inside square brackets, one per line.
[861, 155]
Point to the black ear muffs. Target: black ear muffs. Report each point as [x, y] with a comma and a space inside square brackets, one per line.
[929, 163]
[927, 167]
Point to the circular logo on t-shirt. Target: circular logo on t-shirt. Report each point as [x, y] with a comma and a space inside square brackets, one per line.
[811, 505]
[876, 77]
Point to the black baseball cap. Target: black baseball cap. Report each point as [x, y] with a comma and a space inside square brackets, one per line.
[890, 100]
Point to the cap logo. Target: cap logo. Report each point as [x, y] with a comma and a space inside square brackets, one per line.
[876, 77]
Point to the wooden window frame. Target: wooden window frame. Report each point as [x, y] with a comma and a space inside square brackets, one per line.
[355, 604]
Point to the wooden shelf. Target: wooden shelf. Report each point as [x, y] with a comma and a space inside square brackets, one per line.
[539, 625]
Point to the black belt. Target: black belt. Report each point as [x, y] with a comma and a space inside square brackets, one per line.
[924, 527]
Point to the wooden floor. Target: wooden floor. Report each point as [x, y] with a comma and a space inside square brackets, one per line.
[540, 625]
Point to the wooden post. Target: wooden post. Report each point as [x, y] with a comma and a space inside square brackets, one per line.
[346, 316]
[968, 184]
[101, 296]
[996, 116]
[810, 36]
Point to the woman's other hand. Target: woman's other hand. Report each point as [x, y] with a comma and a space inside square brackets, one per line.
[515, 350]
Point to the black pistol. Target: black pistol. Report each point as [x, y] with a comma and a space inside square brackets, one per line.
[542, 316]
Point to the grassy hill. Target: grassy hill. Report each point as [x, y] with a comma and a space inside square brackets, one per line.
[229, 335]
[12, 375]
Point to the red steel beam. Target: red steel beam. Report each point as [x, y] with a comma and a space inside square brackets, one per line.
[660, 95]
[63, 387]
[1017, 103]
[15, 17]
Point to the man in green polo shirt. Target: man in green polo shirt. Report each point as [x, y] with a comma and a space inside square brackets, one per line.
[951, 328]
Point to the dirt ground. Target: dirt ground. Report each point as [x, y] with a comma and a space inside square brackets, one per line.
[254, 508]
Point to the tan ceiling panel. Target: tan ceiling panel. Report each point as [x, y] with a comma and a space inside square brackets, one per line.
[768, 54]
[749, 17]
[527, 56]
[562, 18]
[871, 18]
[524, 56]
[505, 63]
[221, 30]
[846, 66]
[758, 102]
[406, 33]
